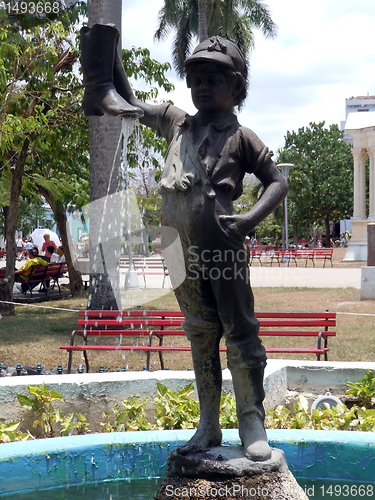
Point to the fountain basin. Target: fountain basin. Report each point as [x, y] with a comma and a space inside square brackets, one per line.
[57, 462]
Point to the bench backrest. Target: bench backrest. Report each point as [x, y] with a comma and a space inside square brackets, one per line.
[323, 251]
[37, 274]
[54, 269]
[271, 323]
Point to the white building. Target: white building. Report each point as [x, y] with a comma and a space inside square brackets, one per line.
[360, 132]
[360, 104]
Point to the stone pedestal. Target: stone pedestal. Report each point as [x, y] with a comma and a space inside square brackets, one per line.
[367, 283]
[368, 273]
[224, 472]
[357, 246]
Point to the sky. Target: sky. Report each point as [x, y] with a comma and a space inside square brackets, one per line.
[324, 53]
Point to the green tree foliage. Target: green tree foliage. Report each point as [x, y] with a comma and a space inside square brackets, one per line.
[234, 20]
[146, 150]
[38, 97]
[321, 183]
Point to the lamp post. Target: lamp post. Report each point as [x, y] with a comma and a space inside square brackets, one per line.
[285, 169]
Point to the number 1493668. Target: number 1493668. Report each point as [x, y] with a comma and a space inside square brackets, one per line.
[33, 8]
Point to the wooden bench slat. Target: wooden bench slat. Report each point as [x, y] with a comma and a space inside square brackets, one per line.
[108, 314]
[155, 348]
[130, 322]
[166, 333]
[173, 322]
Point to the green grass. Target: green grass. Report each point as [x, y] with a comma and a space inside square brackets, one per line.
[35, 334]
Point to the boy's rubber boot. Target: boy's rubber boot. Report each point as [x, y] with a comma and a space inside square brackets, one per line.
[249, 391]
[98, 52]
[120, 80]
[208, 379]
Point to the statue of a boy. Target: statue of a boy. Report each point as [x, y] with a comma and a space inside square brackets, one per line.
[209, 154]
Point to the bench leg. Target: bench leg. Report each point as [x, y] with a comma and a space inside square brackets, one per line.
[325, 338]
[148, 357]
[70, 359]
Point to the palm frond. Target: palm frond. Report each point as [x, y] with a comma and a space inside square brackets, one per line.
[259, 16]
[182, 46]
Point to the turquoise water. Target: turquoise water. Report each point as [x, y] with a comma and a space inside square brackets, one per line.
[140, 489]
[146, 489]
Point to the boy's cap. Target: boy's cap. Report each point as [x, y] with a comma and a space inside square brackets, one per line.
[219, 50]
[33, 252]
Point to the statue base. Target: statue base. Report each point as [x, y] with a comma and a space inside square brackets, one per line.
[224, 472]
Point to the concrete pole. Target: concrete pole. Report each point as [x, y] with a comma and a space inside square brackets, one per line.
[368, 272]
[105, 178]
[285, 169]
[371, 244]
[359, 211]
[371, 153]
[362, 180]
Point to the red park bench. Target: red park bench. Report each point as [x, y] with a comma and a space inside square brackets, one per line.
[44, 275]
[145, 325]
[306, 254]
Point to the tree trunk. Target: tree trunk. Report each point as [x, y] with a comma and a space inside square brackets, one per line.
[202, 20]
[6, 287]
[146, 234]
[104, 180]
[5, 214]
[75, 278]
[328, 232]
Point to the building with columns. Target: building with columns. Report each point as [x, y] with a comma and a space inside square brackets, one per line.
[361, 128]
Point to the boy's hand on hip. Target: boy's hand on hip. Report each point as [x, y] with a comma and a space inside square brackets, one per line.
[240, 223]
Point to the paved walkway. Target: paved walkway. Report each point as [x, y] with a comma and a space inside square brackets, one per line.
[305, 277]
[265, 276]
[289, 277]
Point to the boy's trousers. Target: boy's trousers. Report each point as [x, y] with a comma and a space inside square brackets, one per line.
[216, 296]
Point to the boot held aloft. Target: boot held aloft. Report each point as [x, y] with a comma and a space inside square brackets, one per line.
[98, 53]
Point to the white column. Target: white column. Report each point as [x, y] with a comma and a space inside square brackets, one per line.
[359, 156]
[371, 153]
[356, 152]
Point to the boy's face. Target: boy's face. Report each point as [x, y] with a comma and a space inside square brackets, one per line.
[210, 88]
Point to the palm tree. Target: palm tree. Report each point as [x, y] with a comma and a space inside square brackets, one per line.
[232, 19]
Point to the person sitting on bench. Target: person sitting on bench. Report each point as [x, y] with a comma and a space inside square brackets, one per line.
[22, 274]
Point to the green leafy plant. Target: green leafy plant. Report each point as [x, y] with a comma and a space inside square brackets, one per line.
[228, 415]
[334, 418]
[41, 404]
[129, 416]
[75, 421]
[278, 418]
[8, 433]
[175, 410]
[363, 390]
[338, 417]
[366, 420]
[48, 416]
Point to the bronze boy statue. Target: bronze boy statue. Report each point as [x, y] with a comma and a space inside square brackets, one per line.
[209, 154]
